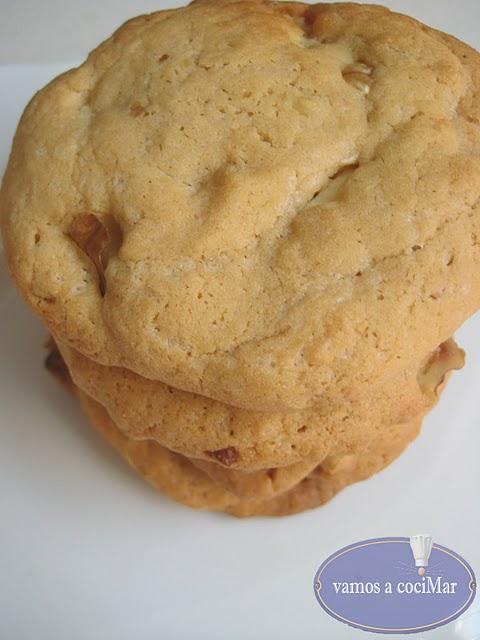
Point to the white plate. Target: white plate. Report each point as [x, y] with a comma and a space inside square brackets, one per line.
[88, 551]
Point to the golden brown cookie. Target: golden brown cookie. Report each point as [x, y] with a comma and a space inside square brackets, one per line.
[268, 204]
[266, 483]
[324, 483]
[198, 427]
[261, 484]
[166, 471]
[175, 476]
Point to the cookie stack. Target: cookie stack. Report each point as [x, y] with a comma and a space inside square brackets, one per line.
[211, 455]
[252, 228]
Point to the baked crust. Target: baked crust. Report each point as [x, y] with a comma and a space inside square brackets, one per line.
[179, 479]
[252, 268]
[201, 428]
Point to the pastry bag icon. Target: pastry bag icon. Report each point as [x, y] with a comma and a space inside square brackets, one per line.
[421, 546]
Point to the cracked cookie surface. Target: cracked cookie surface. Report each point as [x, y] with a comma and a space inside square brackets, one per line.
[293, 191]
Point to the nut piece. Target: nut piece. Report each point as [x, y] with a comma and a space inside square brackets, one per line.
[445, 358]
[98, 240]
[55, 364]
[358, 75]
[227, 456]
[339, 463]
[358, 67]
[136, 109]
[331, 191]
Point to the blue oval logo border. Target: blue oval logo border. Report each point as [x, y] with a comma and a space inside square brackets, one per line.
[399, 539]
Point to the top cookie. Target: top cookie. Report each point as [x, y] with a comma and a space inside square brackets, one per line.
[263, 203]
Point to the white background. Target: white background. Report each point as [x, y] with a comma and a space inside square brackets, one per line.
[89, 552]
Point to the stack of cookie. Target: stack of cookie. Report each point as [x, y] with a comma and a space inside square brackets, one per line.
[252, 228]
[207, 454]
